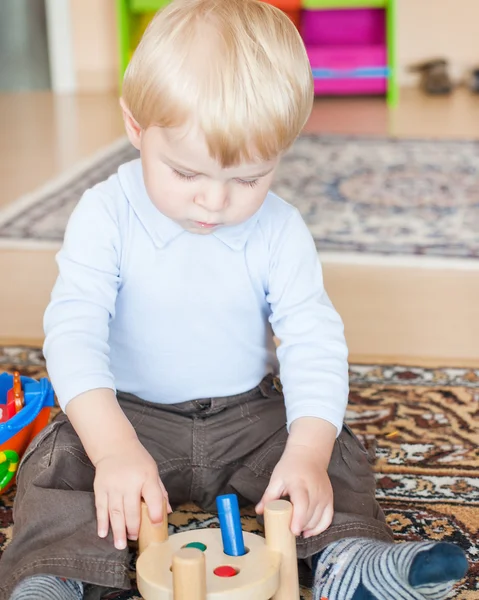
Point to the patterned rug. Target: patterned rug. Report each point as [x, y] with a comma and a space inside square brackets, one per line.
[422, 427]
[361, 196]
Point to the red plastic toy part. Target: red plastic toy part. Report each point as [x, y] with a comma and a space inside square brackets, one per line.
[14, 400]
[225, 571]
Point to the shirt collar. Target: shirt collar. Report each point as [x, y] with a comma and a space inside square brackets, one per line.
[236, 236]
[161, 228]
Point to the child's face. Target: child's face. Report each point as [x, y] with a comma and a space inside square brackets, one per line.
[190, 187]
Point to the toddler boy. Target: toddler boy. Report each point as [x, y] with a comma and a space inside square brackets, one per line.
[173, 277]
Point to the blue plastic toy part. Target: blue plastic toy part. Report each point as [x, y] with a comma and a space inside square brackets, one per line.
[37, 395]
[359, 73]
[230, 524]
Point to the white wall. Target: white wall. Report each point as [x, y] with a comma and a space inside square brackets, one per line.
[430, 28]
[95, 45]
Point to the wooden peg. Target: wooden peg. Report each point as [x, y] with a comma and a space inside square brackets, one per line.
[189, 574]
[152, 533]
[277, 524]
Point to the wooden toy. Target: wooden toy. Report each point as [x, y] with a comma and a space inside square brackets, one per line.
[194, 565]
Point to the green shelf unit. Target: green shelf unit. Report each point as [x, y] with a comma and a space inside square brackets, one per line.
[391, 33]
[134, 15]
[132, 18]
[141, 6]
[332, 4]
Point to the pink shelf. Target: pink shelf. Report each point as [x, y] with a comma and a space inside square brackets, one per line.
[341, 41]
[344, 59]
[344, 27]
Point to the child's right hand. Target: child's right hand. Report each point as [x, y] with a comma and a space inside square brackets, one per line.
[123, 477]
[125, 471]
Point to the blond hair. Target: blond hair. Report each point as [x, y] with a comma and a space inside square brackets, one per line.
[238, 69]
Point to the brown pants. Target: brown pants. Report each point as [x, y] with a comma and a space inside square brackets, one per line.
[203, 448]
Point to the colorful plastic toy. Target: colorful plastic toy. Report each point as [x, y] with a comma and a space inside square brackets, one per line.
[205, 564]
[25, 406]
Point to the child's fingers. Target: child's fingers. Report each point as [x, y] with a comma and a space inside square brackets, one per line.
[165, 495]
[312, 523]
[117, 521]
[103, 521]
[153, 493]
[274, 491]
[132, 508]
[301, 505]
[323, 523]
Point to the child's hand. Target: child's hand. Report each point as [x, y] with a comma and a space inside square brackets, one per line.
[305, 480]
[123, 478]
[302, 475]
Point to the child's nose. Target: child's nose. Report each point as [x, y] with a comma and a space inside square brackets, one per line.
[214, 199]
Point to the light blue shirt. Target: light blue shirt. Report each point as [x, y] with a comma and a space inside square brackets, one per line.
[145, 307]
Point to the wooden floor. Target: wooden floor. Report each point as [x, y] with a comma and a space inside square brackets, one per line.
[408, 315]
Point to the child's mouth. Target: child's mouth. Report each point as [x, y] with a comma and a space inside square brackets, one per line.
[206, 225]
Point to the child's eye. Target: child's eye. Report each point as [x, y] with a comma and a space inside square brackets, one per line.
[183, 176]
[251, 183]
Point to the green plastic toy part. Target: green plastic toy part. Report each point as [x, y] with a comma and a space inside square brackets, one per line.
[9, 460]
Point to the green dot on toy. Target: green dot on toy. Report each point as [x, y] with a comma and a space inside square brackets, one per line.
[197, 545]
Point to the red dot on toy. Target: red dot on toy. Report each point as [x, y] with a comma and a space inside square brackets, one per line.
[225, 571]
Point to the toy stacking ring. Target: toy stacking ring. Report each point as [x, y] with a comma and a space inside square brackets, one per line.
[8, 466]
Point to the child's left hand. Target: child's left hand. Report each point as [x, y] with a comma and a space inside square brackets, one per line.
[302, 474]
[299, 476]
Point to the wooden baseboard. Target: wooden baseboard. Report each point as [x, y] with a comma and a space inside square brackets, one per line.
[354, 359]
[407, 315]
[408, 361]
[29, 343]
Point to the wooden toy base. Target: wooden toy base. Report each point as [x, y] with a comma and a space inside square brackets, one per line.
[257, 575]
[167, 569]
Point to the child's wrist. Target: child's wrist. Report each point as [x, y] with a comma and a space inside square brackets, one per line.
[115, 445]
[108, 431]
[313, 435]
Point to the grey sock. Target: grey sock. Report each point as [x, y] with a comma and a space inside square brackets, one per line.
[48, 587]
[364, 569]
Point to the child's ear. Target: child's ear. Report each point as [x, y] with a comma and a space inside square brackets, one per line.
[133, 130]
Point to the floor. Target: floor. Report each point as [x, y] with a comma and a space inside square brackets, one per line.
[43, 134]
[409, 315]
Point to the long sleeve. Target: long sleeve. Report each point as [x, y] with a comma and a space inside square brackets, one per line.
[76, 322]
[312, 352]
